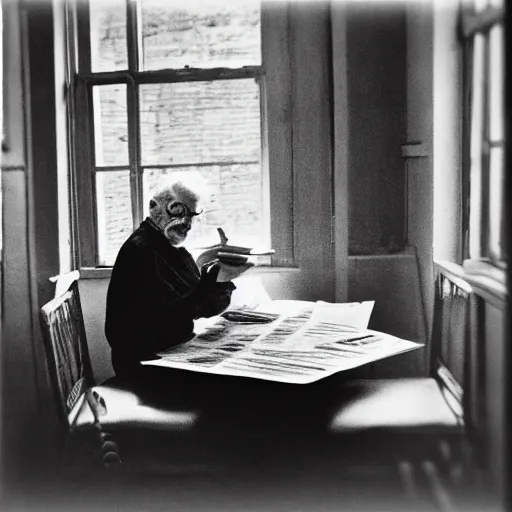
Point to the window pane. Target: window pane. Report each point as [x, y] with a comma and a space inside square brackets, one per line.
[235, 203]
[496, 203]
[496, 84]
[200, 122]
[110, 125]
[114, 213]
[200, 33]
[108, 35]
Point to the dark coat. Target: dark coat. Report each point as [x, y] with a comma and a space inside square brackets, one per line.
[154, 295]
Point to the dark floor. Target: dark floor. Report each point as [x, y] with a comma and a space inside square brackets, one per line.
[257, 476]
[364, 488]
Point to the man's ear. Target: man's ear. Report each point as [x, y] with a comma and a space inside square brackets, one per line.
[152, 204]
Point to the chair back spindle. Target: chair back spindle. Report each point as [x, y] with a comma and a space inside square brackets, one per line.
[66, 349]
[451, 335]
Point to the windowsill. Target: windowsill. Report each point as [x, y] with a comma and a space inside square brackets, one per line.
[406, 253]
[487, 280]
[106, 272]
[454, 272]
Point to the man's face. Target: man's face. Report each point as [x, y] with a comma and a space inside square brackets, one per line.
[180, 212]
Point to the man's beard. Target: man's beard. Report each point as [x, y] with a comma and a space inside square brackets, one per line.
[176, 231]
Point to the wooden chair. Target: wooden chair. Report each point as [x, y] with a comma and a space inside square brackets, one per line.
[102, 424]
[424, 424]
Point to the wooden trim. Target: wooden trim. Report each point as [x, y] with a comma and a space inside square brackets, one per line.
[484, 267]
[485, 155]
[133, 120]
[84, 186]
[266, 214]
[275, 26]
[467, 84]
[133, 112]
[132, 36]
[341, 127]
[176, 166]
[478, 383]
[475, 383]
[84, 182]
[41, 143]
[172, 75]
[415, 150]
[455, 273]
[475, 149]
[84, 36]
[70, 27]
[113, 168]
[137, 40]
[435, 346]
[106, 272]
[488, 281]
[95, 272]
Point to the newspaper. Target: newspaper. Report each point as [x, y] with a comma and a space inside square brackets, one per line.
[307, 342]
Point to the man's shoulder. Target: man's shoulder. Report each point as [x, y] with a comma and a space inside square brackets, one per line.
[140, 242]
[140, 237]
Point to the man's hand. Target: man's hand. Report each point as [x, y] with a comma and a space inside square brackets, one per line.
[209, 274]
[212, 297]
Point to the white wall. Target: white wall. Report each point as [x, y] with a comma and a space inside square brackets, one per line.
[21, 358]
[447, 148]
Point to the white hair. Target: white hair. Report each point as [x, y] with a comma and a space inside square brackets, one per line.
[189, 185]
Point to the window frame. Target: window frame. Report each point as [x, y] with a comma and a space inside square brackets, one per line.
[273, 77]
[476, 199]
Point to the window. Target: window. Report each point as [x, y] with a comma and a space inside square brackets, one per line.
[483, 33]
[173, 87]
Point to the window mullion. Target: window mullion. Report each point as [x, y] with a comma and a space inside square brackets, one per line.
[174, 75]
[468, 66]
[71, 69]
[134, 151]
[83, 37]
[85, 193]
[82, 122]
[132, 29]
[132, 33]
[484, 219]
